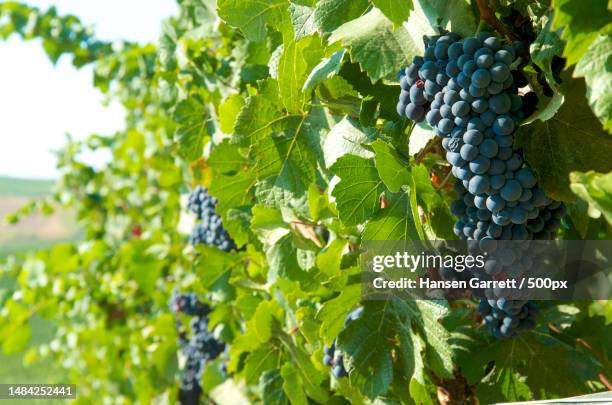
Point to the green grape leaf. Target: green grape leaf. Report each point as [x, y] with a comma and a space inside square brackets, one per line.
[395, 10]
[271, 385]
[436, 209]
[380, 50]
[287, 162]
[537, 357]
[596, 190]
[226, 157]
[453, 15]
[232, 191]
[427, 317]
[358, 192]
[333, 313]
[193, 127]
[292, 385]
[392, 169]
[213, 264]
[282, 261]
[311, 377]
[415, 367]
[228, 111]
[260, 115]
[297, 59]
[303, 20]
[507, 385]
[260, 361]
[572, 140]
[395, 222]
[268, 224]
[581, 25]
[547, 45]
[367, 351]
[330, 14]
[252, 16]
[326, 69]
[596, 68]
[345, 138]
[329, 258]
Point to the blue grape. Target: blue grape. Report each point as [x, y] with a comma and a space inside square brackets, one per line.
[500, 103]
[471, 45]
[489, 148]
[209, 230]
[480, 165]
[473, 137]
[503, 125]
[512, 190]
[526, 177]
[499, 72]
[468, 152]
[445, 125]
[415, 112]
[461, 108]
[479, 184]
[504, 56]
[485, 61]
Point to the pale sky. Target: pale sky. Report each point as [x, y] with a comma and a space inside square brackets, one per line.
[40, 103]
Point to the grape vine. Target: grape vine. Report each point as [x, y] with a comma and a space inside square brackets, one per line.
[275, 125]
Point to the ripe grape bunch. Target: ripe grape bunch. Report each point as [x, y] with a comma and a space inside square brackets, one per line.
[332, 357]
[209, 228]
[198, 349]
[467, 90]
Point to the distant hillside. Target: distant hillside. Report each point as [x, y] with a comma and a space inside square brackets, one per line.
[36, 231]
[14, 187]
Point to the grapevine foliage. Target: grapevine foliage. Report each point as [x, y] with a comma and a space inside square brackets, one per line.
[283, 118]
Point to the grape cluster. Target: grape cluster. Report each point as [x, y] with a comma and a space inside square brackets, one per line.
[188, 304]
[198, 347]
[209, 228]
[332, 357]
[467, 90]
[506, 317]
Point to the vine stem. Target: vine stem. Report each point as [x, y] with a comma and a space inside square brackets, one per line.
[489, 16]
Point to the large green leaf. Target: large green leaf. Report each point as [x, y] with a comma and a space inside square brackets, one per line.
[330, 14]
[193, 121]
[345, 138]
[596, 67]
[453, 15]
[327, 68]
[292, 384]
[303, 20]
[358, 192]
[297, 60]
[572, 140]
[395, 10]
[380, 50]
[271, 385]
[261, 114]
[507, 385]
[252, 16]
[260, 361]
[581, 25]
[233, 191]
[392, 169]
[368, 352]
[395, 222]
[596, 190]
[333, 313]
[547, 45]
[536, 356]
